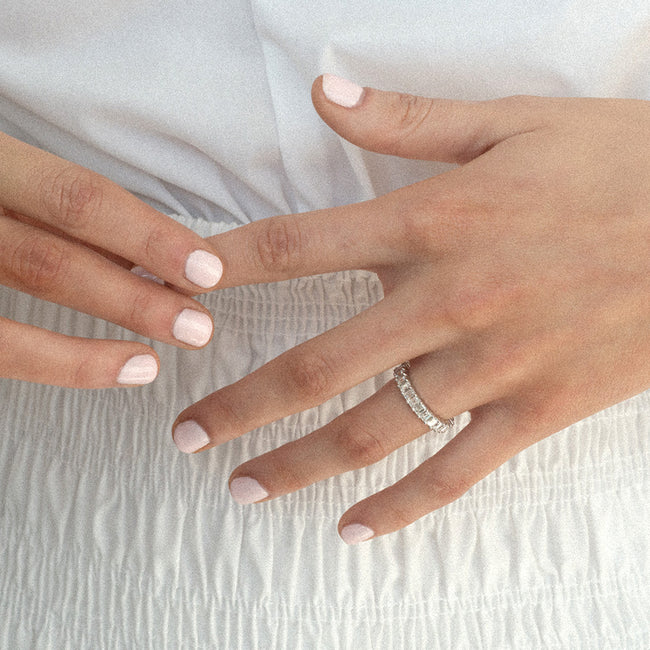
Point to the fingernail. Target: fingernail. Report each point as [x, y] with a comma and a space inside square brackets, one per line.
[192, 327]
[342, 91]
[245, 490]
[143, 273]
[356, 533]
[190, 437]
[138, 370]
[203, 269]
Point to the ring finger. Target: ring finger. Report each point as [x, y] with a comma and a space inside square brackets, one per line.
[366, 433]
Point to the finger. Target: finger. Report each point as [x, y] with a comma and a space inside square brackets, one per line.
[371, 430]
[493, 436]
[410, 126]
[306, 375]
[378, 233]
[358, 236]
[91, 208]
[39, 263]
[31, 354]
[4, 212]
[357, 438]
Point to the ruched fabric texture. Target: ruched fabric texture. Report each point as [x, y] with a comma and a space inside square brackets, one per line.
[111, 538]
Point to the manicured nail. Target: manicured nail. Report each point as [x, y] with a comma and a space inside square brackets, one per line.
[190, 436]
[192, 327]
[203, 269]
[143, 273]
[245, 490]
[138, 370]
[356, 533]
[342, 91]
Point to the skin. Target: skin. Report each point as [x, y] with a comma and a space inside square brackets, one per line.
[70, 236]
[518, 284]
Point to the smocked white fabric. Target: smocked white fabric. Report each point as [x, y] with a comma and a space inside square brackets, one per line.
[113, 539]
[109, 537]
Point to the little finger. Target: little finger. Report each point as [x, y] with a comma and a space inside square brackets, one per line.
[493, 436]
[28, 353]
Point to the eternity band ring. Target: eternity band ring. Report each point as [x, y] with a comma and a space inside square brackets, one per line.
[401, 374]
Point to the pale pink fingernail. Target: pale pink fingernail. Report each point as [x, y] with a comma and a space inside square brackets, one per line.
[356, 533]
[190, 436]
[203, 269]
[245, 490]
[138, 370]
[141, 272]
[342, 91]
[192, 327]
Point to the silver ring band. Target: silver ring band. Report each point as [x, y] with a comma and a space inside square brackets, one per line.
[401, 374]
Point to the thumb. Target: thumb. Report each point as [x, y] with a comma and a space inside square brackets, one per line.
[419, 127]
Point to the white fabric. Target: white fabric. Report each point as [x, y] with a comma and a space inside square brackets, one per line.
[112, 539]
[204, 108]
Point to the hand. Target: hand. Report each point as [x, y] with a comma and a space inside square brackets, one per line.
[70, 236]
[518, 284]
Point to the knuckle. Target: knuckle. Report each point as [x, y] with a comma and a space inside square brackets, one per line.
[310, 378]
[413, 222]
[519, 102]
[360, 445]
[279, 245]
[414, 111]
[411, 112]
[155, 245]
[509, 360]
[73, 197]
[82, 374]
[467, 309]
[472, 307]
[430, 223]
[229, 414]
[536, 416]
[138, 314]
[39, 263]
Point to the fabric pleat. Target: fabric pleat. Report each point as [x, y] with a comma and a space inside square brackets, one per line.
[113, 539]
[109, 537]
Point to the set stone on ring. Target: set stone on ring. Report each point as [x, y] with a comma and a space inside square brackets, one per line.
[401, 374]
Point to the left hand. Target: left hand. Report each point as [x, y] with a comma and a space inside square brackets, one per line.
[518, 283]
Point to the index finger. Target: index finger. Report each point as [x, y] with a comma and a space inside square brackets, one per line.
[360, 236]
[91, 208]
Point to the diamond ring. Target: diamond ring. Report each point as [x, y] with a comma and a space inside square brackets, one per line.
[401, 374]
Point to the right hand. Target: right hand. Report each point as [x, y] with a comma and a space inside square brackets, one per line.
[70, 236]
